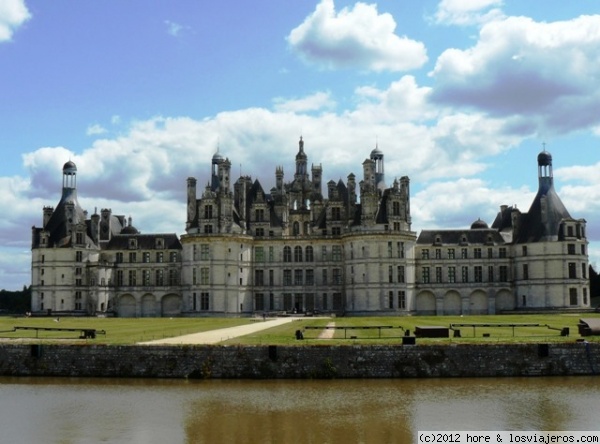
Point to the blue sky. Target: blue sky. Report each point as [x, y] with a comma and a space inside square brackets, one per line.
[459, 95]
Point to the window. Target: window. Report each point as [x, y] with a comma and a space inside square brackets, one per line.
[465, 274]
[571, 248]
[324, 277]
[259, 215]
[451, 274]
[146, 257]
[259, 278]
[490, 273]
[438, 253]
[259, 302]
[425, 253]
[451, 254]
[478, 273]
[173, 256]
[391, 299]
[310, 277]
[296, 228]
[204, 252]
[324, 301]
[204, 301]
[78, 238]
[298, 277]
[132, 278]
[585, 299]
[298, 254]
[572, 296]
[402, 300]
[336, 231]
[396, 208]
[78, 256]
[337, 276]
[389, 249]
[259, 254]
[287, 254]
[390, 274]
[194, 278]
[173, 277]
[490, 253]
[260, 232]
[208, 229]
[119, 258]
[464, 253]
[310, 257]
[572, 270]
[400, 247]
[119, 277]
[132, 257]
[159, 257]
[336, 253]
[146, 277]
[438, 274]
[287, 277]
[582, 249]
[271, 254]
[525, 271]
[583, 271]
[208, 212]
[336, 213]
[524, 249]
[324, 253]
[503, 271]
[425, 275]
[502, 252]
[400, 274]
[477, 253]
[204, 276]
[271, 278]
[78, 271]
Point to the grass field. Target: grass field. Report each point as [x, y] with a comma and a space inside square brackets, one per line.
[121, 331]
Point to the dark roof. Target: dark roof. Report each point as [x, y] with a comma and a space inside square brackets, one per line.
[144, 241]
[455, 237]
[57, 225]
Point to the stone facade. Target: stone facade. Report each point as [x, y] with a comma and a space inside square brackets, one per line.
[301, 362]
[295, 249]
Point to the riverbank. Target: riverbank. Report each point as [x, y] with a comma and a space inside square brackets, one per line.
[301, 362]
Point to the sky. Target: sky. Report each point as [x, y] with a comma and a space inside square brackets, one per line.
[460, 95]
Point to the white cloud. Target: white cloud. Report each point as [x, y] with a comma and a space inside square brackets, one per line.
[512, 72]
[94, 130]
[314, 102]
[358, 38]
[175, 29]
[13, 13]
[468, 12]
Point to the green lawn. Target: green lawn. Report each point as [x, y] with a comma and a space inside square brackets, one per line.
[131, 331]
[285, 334]
[118, 330]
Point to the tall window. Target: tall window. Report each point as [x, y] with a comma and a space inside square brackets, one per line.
[402, 300]
[451, 274]
[425, 253]
[502, 252]
[464, 253]
[337, 276]
[451, 254]
[478, 271]
[287, 254]
[336, 253]
[310, 254]
[298, 254]
[572, 270]
[438, 274]
[298, 277]
[173, 277]
[336, 213]
[259, 278]
[259, 302]
[204, 301]
[132, 278]
[400, 247]
[259, 254]
[400, 274]
[159, 257]
[572, 296]
[310, 277]
[425, 275]
[324, 253]
[477, 253]
[391, 299]
[503, 271]
[208, 212]
[525, 271]
[287, 277]
[465, 274]
[490, 273]
[204, 276]
[324, 277]
[204, 252]
[160, 278]
[132, 257]
[259, 215]
[390, 274]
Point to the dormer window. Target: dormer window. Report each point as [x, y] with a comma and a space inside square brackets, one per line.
[159, 243]
[132, 244]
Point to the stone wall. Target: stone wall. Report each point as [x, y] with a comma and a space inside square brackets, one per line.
[271, 362]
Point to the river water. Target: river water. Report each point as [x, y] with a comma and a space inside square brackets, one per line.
[145, 411]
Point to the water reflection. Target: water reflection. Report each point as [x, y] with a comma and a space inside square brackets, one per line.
[353, 411]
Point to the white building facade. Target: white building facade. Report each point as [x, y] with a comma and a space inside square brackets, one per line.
[348, 251]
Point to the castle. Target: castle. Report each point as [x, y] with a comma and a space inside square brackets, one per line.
[291, 248]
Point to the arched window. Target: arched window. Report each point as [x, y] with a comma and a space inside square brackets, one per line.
[309, 254]
[287, 254]
[297, 254]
